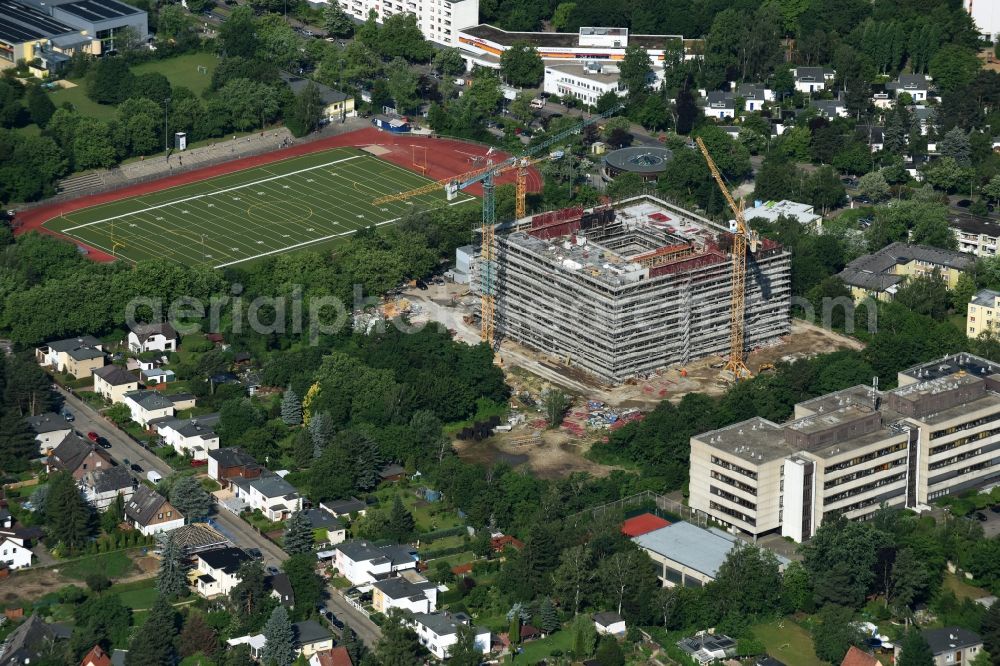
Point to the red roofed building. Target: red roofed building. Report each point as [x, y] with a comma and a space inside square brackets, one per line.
[500, 543]
[338, 656]
[858, 657]
[96, 657]
[642, 524]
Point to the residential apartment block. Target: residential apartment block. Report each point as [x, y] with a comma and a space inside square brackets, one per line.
[881, 274]
[976, 235]
[438, 20]
[851, 451]
[982, 314]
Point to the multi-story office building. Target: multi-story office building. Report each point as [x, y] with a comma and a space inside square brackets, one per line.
[439, 20]
[851, 451]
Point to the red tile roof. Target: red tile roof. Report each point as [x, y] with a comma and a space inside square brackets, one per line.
[501, 542]
[857, 657]
[642, 524]
[338, 656]
[96, 657]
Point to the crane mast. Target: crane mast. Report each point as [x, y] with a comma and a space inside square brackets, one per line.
[743, 240]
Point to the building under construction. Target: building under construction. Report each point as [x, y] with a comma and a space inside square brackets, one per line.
[626, 290]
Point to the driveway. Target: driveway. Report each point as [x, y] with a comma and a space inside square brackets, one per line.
[366, 630]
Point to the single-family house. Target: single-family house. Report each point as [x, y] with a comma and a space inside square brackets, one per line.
[438, 632]
[344, 508]
[13, 553]
[362, 562]
[337, 105]
[232, 462]
[926, 118]
[217, 571]
[29, 641]
[338, 656]
[609, 622]
[951, 646]
[813, 79]
[152, 337]
[917, 85]
[706, 648]
[830, 108]
[686, 555]
[77, 456]
[101, 487]
[754, 96]
[323, 521]
[149, 512]
[281, 589]
[50, 430]
[873, 135]
[112, 382]
[720, 104]
[96, 657]
[882, 273]
[75, 356]
[391, 473]
[408, 591]
[857, 657]
[276, 498]
[193, 437]
[146, 405]
[311, 637]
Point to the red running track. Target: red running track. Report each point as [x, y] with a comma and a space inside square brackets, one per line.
[444, 158]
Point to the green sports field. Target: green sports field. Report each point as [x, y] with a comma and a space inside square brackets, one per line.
[225, 220]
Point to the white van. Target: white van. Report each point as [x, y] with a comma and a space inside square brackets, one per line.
[154, 476]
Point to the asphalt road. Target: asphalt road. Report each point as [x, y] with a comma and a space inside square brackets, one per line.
[86, 419]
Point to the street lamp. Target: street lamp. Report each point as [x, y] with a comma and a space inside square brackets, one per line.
[166, 138]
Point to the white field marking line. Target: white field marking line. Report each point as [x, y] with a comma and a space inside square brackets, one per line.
[314, 241]
[208, 194]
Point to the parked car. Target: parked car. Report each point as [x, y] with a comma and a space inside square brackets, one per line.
[136, 467]
[995, 508]
[964, 203]
[93, 436]
[272, 570]
[981, 517]
[68, 415]
[255, 553]
[103, 443]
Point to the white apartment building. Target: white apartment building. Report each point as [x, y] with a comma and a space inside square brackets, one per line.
[438, 20]
[586, 83]
[976, 235]
[851, 451]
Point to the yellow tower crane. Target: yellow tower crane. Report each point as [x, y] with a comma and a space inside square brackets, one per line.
[743, 239]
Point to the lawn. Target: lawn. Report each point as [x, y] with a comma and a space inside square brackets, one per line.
[183, 70]
[112, 565]
[788, 642]
[535, 651]
[962, 589]
[77, 97]
[231, 219]
[138, 595]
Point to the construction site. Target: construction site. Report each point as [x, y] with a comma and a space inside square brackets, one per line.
[622, 292]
